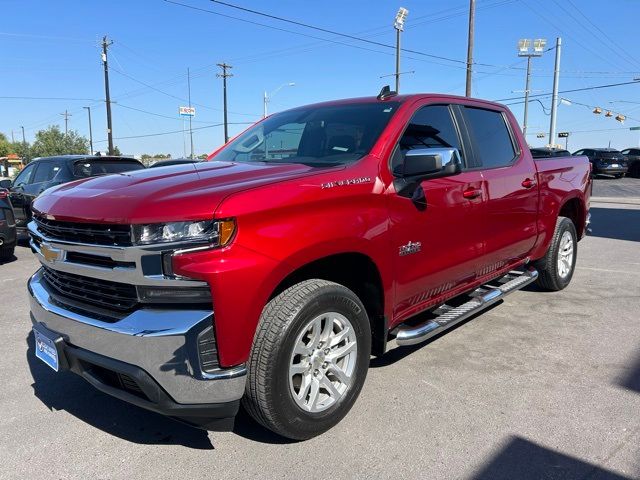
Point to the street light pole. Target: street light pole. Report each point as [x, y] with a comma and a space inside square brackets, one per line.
[524, 50]
[88, 109]
[267, 97]
[401, 16]
[527, 90]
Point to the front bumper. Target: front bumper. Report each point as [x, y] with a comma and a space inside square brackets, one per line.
[157, 348]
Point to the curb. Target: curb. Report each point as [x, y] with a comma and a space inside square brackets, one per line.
[621, 200]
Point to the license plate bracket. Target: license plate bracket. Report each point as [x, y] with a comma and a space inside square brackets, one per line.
[49, 347]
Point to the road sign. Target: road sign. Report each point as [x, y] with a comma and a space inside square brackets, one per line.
[563, 134]
[634, 128]
[540, 135]
[187, 111]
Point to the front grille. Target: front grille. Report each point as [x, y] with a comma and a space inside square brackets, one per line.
[101, 293]
[92, 233]
[97, 260]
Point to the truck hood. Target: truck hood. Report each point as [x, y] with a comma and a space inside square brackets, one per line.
[173, 193]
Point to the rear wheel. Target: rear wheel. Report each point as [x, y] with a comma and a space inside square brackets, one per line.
[556, 267]
[309, 360]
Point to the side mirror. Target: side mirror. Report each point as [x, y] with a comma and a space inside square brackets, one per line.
[428, 163]
[6, 183]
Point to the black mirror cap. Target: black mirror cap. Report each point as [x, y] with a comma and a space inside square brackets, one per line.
[425, 163]
[6, 183]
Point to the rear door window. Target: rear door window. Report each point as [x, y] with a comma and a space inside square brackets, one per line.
[93, 167]
[491, 138]
[46, 172]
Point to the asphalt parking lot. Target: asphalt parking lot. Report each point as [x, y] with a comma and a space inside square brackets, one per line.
[542, 386]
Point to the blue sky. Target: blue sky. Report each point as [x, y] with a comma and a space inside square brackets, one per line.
[50, 49]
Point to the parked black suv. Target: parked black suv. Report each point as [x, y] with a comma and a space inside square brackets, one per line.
[605, 161]
[633, 161]
[46, 172]
[7, 227]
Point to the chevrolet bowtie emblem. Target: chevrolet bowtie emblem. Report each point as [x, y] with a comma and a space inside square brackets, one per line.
[50, 253]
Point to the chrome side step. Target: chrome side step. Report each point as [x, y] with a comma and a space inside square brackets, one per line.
[448, 316]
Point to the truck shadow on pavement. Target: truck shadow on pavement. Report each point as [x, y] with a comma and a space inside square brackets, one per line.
[522, 459]
[616, 223]
[399, 353]
[69, 392]
[631, 379]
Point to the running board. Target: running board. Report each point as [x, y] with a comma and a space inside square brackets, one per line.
[450, 316]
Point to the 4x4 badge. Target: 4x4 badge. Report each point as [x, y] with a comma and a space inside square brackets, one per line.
[409, 248]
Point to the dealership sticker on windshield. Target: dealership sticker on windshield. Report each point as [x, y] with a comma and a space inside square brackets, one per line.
[46, 349]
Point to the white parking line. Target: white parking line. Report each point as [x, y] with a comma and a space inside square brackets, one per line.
[626, 272]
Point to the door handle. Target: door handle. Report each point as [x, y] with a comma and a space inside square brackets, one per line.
[528, 183]
[470, 193]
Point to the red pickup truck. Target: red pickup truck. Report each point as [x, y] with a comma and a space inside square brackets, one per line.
[271, 273]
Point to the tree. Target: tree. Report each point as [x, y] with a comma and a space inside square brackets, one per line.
[6, 147]
[116, 151]
[52, 141]
[203, 156]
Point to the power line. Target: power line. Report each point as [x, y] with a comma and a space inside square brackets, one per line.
[175, 131]
[594, 87]
[51, 98]
[611, 41]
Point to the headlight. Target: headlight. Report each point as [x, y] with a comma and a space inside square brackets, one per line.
[216, 233]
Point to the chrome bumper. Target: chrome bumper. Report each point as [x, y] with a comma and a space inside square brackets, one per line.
[162, 342]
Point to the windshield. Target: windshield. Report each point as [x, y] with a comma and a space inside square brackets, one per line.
[91, 168]
[316, 136]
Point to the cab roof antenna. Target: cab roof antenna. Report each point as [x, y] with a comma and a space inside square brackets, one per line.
[386, 92]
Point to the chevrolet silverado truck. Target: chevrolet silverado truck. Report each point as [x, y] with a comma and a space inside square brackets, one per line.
[270, 274]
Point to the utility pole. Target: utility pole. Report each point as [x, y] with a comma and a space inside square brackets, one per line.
[472, 14]
[398, 24]
[224, 76]
[88, 109]
[24, 145]
[524, 50]
[191, 116]
[66, 116]
[554, 100]
[105, 44]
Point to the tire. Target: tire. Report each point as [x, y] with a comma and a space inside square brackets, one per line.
[619, 175]
[6, 253]
[552, 274]
[280, 367]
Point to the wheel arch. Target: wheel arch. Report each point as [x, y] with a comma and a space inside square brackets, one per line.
[575, 210]
[359, 273]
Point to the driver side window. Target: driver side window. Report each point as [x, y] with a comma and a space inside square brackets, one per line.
[25, 176]
[431, 127]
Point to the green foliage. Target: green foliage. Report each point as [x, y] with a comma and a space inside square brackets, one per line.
[6, 147]
[203, 156]
[116, 151]
[159, 156]
[53, 141]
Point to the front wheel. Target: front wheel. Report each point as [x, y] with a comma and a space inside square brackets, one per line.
[556, 267]
[309, 359]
